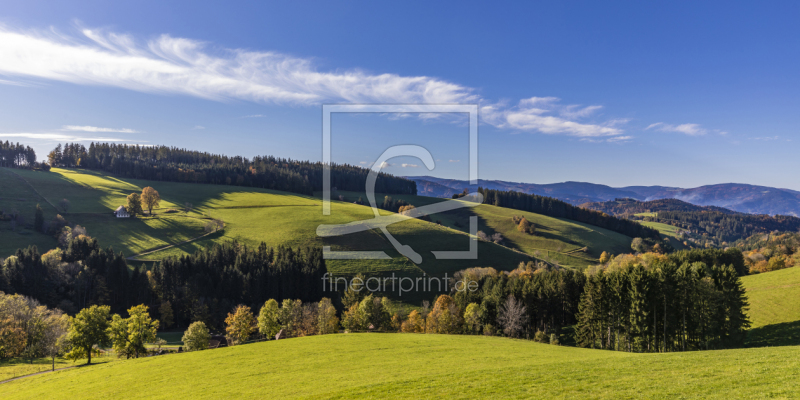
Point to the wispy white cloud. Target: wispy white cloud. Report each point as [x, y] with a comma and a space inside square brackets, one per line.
[619, 139]
[576, 111]
[198, 127]
[455, 160]
[688, 129]
[254, 116]
[409, 165]
[77, 128]
[765, 138]
[166, 64]
[13, 83]
[178, 65]
[52, 136]
[546, 115]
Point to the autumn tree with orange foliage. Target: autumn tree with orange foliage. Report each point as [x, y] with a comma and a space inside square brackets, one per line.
[445, 316]
[150, 199]
[414, 324]
[240, 324]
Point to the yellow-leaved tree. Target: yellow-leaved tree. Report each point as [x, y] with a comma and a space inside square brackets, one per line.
[150, 199]
[240, 324]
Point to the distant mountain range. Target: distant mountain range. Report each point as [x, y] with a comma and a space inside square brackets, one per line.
[734, 196]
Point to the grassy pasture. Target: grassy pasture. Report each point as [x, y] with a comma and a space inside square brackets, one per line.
[668, 231]
[665, 229]
[424, 366]
[557, 239]
[16, 195]
[15, 367]
[774, 307]
[251, 215]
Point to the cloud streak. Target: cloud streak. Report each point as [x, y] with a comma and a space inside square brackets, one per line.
[548, 116]
[688, 129]
[77, 128]
[166, 64]
[59, 137]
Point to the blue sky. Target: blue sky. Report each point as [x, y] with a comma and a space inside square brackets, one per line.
[619, 93]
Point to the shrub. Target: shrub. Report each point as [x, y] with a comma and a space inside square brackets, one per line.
[554, 339]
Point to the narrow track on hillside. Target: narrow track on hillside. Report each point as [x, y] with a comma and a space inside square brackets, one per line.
[36, 373]
[133, 257]
[33, 188]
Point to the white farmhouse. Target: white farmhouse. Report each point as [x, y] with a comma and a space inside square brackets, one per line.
[122, 212]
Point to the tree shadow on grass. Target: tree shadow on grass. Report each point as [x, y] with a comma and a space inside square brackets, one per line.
[783, 334]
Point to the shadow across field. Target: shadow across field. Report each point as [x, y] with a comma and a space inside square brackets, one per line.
[783, 334]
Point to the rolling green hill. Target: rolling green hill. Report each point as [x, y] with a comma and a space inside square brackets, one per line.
[774, 307]
[377, 365]
[251, 216]
[557, 239]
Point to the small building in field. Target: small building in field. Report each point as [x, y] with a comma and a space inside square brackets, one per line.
[122, 212]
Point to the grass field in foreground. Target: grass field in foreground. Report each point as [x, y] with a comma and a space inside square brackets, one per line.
[774, 307]
[424, 366]
[14, 367]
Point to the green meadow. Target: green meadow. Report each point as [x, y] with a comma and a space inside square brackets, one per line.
[667, 231]
[251, 215]
[569, 243]
[374, 365]
[774, 307]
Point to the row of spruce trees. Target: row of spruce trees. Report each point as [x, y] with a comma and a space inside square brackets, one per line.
[16, 155]
[666, 307]
[173, 164]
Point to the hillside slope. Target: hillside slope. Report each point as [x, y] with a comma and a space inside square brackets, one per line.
[251, 215]
[774, 307]
[569, 243]
[424, 366]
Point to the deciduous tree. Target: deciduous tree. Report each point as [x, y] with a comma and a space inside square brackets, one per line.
[327, 322]
[269, 319]
[150, 199]
[196, 337]
[87, 329]
[240, 324]
[134, 205]
[129, 335]
[512, 317]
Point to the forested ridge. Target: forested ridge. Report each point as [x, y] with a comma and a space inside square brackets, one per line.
[173, 164]
[626, 208]
[727, 227]
[200, 287]
[560, 209]
[703, 224]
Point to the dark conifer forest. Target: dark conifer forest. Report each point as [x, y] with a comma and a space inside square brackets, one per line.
[162, 163]
[202, 286]
[16, 155]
